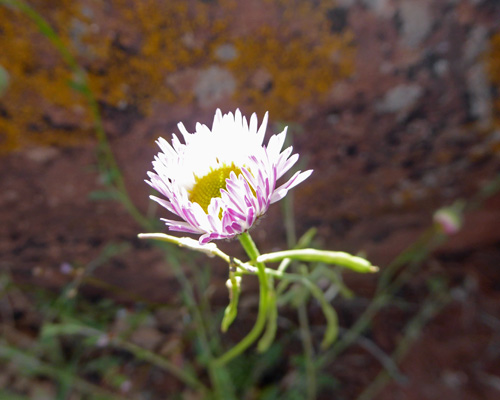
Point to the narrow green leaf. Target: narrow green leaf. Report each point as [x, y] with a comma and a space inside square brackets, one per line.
[231, 311]
[4, 80]
[77, 86]
[103, 195]
[49, 330]
[332, 325]
[306, 239]
[346, 260]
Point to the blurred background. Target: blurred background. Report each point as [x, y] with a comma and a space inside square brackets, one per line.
[394, 104]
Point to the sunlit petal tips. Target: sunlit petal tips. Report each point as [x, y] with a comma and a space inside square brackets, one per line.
[221, 180]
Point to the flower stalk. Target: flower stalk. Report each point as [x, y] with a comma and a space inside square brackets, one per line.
[252, 252]
[219, 181]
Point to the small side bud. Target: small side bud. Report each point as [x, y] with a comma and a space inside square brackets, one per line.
[450, 219]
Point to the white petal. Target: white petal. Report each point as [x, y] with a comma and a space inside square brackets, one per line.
[262, 130]
[282, 169]
[297, 178]
[184, 132]
[275, 144]
[253, 125]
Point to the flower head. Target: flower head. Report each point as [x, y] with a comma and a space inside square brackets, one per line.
[220, 180]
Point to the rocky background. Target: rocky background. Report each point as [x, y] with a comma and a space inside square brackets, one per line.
[394, 104]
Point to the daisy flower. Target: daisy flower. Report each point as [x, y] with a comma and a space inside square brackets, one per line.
[221, 180]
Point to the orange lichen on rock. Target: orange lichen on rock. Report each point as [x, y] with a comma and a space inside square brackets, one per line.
[146, 43]
[284, 66]
[127, 49]
[282, 78]
[136, 53]
[38, 107]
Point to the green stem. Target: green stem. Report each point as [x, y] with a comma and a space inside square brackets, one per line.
[252, 252]
[146, 355]
[107, 161]
[272, 318]
[307, 344]
[217, 374]
[305, 334]
[221, 382]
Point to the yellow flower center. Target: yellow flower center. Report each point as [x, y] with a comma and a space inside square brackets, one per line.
[209, 186]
